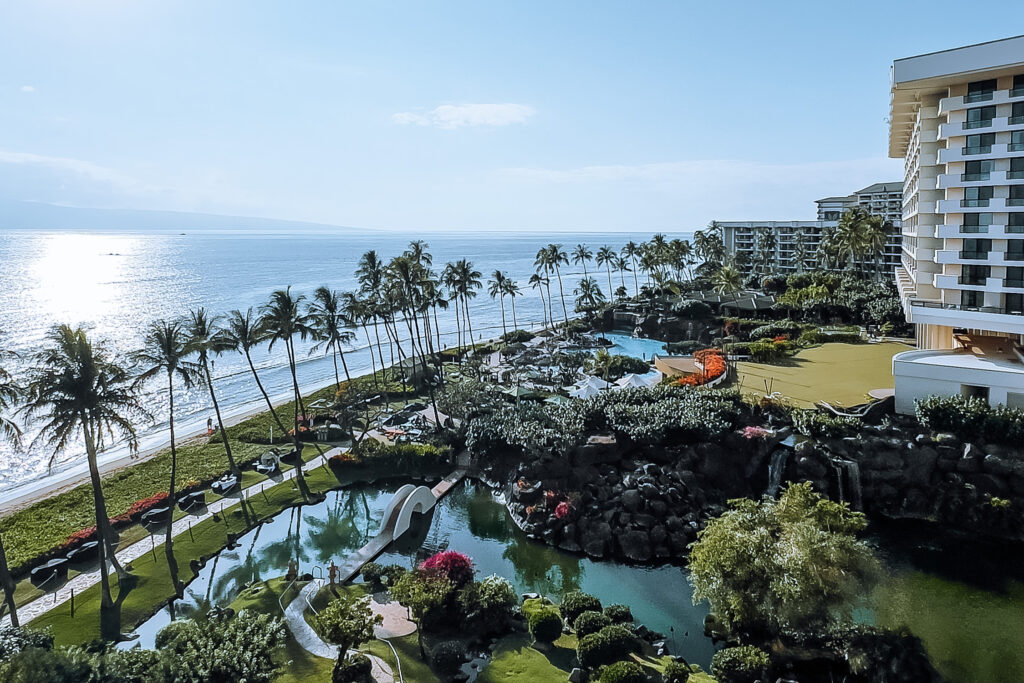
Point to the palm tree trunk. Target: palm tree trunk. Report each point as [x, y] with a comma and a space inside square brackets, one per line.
[437, 330]
[8, 585]
[609, 268]
[469, 322]
[266, 397]
[344, 363]
[515, 322]
[172, 561]
[504, 329]
[636, 282]
[299, 474]
[104, 545]
[551, 306]
[561, 294]
[373, 361]
[337, 377]
[220, 422]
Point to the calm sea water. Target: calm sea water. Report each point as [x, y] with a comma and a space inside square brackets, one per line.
[118, 283]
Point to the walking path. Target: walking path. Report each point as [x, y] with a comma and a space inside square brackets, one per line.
[81, 582]
[314, 644]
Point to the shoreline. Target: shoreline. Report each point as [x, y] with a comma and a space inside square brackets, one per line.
[34, 491]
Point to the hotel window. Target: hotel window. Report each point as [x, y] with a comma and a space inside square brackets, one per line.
[980, 91]
[1014, 250]
[980, 117]
[975, 275]
[970, 298]
[1014, 277]
[1018, 86]
[976, 249]
[1016, 141]
[976, 196]
[1016, 171]
[1014, 303]
[976, 170]
[1016, 196]
[1015, 222]
[1017, 114]
[980, 143]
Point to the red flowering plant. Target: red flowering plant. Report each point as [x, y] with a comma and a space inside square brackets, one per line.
[755, 432]
[562, 510]
[144, 505]
[780, 338]
[454, 566]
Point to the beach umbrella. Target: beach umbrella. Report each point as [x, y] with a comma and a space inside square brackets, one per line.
[555, 399]
[585, 391]
[595, 382]
[639, 381]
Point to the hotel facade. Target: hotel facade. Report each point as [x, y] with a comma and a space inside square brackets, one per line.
[957, 121]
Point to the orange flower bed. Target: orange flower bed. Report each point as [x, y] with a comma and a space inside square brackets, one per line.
[713, 364]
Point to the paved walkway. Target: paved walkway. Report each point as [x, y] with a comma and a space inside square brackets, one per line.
[81, 582]
[314, 644]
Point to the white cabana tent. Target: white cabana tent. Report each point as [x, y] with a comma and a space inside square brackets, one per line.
[595, 382]
[585, 391]
[637, 381]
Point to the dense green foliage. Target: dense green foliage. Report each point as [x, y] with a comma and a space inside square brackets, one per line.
[351, 668]
[623, 672]
[823, 297]
[545, 623]
[425, 593]
[613, 366]
[818, 424]
[347, 621]
[795, 562]
[574, 603]
[742, 664]
[971, 418]
[403, 458]
[608, 645]
[676, 672]
[488, 605]
[447, 656]
[372, 573]
[619, 614]
[517, 336]
[645, 415]
[590, 622]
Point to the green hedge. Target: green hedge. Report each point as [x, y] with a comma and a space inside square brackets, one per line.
[971, 418]
[402, 458]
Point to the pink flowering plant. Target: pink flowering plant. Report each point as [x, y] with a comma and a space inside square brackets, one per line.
[755, 432]
[454, 566]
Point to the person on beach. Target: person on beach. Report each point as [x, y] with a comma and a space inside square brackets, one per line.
[209, 426]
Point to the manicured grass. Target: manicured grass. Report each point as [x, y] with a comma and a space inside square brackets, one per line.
[515, 659]
[840, 374]
[414, 669]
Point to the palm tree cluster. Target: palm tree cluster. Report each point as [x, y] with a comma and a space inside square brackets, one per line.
[858, 239]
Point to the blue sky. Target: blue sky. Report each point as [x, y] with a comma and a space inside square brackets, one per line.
[459, 115]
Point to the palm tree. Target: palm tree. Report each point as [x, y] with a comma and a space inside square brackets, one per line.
[727, 280]
[282, 319]
[9, 393]
[243, 333]
[357, 311]
[589, 295]
[581, 253]
[554, 257]
[622, 265]
[606, 257]
[800, 251]
[632, 250]
[467, 282]
[326, 314]
[496, 288]
[537, 281]
[204, 338]
[76, 387]
[165, 350]
[512, 290]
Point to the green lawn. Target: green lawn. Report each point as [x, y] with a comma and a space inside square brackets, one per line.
[841, 374]
[515, 659]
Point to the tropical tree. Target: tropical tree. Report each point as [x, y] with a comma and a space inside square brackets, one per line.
[466, 282]
[76, 388]
[9, 393]
[589, 295]
[632, 250]
[800, 253]
[244, 333]
[538, 281]
[606, 257]
[727, 280]
[164, 352]
[328, 322]
[512, 290]
[204, 338]
[496, 288]
[581, 253]
[553, 257]
[792, 563]
[765, 246]
[282, 319]
[622, 265]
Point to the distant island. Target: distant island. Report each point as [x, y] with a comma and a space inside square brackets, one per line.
[39, 216]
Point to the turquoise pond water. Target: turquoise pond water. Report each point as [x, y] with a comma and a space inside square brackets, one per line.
[967, 604]
[625, 345]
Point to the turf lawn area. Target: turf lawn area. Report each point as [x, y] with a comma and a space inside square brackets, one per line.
[840, 374]
[515, 659]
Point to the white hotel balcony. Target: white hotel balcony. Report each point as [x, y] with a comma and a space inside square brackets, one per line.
[992, 284]
[994, 205]
[981, 258]
[947, 180]
[999, 124]
[998, 150]
[994, 231]
[948, 104]
[954, 315]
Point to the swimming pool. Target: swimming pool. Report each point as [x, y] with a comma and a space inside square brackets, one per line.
[625, 345]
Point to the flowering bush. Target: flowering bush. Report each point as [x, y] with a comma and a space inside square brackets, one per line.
[454, 566]
[550, 497]
[714, 367]
[780, 338]
[146, 504]
[81, 536]
[562, 510]
[755, 432]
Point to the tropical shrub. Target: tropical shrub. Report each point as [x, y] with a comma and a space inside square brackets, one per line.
[608, 645]
[619, 614]
[970, 417]
[575, 603]
[426, 594]
[676, 672]
[621, 641]
[818, 424]
[391, 572]
[452, 565]
[545, 624]
[743, 664]
[352, 668]
[14, 639]
[518, 336]
[623, 672]
[136, 509]
[488, 605]
[372, 573]
[791, 563]
[447, 656]
[347, 621]
[784, 327]
[590, 622]
[403, 457]
[692, 309]
[246, 647]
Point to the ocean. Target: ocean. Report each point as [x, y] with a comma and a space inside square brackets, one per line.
[117, 283]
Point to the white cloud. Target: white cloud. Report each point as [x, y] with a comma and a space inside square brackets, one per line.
[451, 116]
[86, 169]
[28, 88]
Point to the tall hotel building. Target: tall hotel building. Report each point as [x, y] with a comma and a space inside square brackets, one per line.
[957, 121]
